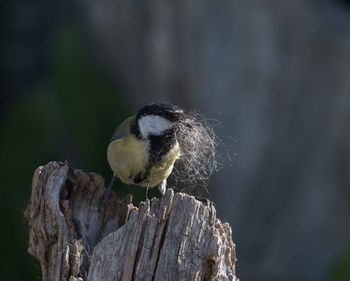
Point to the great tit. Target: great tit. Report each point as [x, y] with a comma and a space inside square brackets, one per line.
[144, 148]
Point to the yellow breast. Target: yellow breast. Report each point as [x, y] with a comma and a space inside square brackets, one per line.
[128, 156]
[163, 169]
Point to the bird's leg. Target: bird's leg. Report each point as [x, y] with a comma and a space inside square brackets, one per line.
[162, 187]
[147, 192]
[106, 194]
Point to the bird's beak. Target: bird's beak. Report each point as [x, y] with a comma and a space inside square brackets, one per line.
[175, 116]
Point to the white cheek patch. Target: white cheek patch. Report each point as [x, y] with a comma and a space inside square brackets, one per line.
[154, 125]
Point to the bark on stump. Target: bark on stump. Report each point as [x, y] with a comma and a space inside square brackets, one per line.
[173, 238]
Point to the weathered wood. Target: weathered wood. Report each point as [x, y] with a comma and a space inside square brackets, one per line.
[173, 238]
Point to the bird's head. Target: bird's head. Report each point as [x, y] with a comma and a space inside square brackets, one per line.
[155, 119]
[165, 126]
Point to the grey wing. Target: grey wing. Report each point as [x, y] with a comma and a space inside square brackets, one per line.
[117, 135]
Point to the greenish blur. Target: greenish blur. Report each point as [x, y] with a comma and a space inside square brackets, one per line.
[341, 270]
[70, 116]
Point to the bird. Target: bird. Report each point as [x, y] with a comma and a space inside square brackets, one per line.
[144, 148]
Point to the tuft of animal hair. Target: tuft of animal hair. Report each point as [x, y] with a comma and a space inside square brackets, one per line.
[199, 157]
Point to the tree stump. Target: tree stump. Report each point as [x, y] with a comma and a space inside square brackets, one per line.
[173, 238]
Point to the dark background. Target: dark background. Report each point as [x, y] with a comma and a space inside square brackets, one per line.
[276, 74]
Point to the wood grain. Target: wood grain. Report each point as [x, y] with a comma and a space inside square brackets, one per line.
[173, 238]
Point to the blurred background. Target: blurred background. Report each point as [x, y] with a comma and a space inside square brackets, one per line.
[276, 74]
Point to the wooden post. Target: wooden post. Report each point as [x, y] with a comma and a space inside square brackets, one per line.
[173, 238]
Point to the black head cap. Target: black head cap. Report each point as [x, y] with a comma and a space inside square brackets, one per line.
[164, 109]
